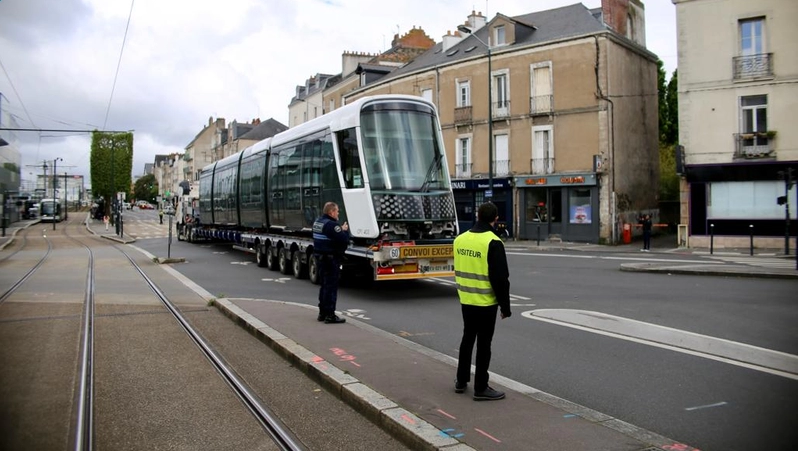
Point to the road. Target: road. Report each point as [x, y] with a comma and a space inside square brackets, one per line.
[561, 337]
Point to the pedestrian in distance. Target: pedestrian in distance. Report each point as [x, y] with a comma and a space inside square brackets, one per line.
[160, 215]
[645, 221]
[330, 241]
[106, 220]
[483, 285]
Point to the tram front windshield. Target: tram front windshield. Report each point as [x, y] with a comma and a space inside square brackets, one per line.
[402, 151]
[48, 209]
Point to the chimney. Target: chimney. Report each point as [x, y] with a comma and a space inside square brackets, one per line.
[476, 21]
[625, 17]
[450, 40]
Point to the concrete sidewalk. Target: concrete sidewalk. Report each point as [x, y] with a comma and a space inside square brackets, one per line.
[409, 390]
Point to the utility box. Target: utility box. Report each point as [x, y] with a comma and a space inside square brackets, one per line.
[627, 233]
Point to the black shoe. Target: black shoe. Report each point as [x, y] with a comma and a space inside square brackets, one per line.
[488, 394]
[334, 319]
[459, 387]
[321, 317]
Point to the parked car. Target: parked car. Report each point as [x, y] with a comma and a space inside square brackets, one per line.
[127, 205]
[146, 206]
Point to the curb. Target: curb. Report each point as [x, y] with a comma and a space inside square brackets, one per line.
[707, 270]
[400, 423]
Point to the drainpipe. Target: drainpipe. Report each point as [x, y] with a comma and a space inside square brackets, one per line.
[611, 132]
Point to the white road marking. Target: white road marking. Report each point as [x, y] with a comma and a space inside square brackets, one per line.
[718, 349]
[708, 406]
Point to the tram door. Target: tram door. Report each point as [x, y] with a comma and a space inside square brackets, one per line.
[311, 181]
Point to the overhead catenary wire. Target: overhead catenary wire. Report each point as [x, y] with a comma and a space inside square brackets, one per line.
[11, 82]
[118, 64]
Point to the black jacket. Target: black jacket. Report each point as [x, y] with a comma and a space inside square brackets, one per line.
[498, 272]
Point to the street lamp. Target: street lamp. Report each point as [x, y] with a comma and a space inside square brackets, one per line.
[489, 193]
[55, 195]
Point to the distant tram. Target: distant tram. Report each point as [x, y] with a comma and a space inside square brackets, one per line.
[50, 210]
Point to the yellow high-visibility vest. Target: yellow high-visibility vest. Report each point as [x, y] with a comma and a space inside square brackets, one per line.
[471, 268]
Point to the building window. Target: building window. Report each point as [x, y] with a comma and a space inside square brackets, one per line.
[501, 155]
[331, 106]
[541, 87]
[463, 93]
[463, 157]
[501, 93]
[754, 114]
[753, 59]
[542, 150]
[752, 32]
[499, 35]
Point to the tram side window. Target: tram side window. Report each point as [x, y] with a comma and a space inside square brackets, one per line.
[350, 158]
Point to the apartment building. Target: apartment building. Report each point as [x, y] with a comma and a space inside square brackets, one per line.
[738, 85]
[565, 101]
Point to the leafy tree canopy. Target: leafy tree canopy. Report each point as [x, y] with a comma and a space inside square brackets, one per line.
[146, 188]
[111, 164]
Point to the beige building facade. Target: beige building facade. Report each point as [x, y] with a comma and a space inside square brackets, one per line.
[573, 118]
[738, 85]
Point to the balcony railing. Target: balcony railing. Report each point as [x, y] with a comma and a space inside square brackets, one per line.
[752, 66]
[501, 167]
[462, 115]
[501, 109]
[462, 170]
[753, 145]
[541, 104]
[541, 165]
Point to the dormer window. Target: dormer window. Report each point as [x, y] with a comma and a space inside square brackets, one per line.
[499, 37]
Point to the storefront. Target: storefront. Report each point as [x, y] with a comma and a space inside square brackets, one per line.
[564, 206]
[470, 194]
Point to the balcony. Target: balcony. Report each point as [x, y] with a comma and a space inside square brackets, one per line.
[501, 167]
[541, 165]
[757, 145]
[501, 109]
[753, 66]
[462, 115]
[462, 170]
[541, 105]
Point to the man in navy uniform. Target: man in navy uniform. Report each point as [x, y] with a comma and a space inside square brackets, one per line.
[330, 241]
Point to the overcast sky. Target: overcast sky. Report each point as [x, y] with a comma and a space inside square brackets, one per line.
[187, 60]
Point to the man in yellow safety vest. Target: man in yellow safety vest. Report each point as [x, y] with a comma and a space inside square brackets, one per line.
[483, 284]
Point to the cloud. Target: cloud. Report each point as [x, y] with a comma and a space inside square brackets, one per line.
[187, 60]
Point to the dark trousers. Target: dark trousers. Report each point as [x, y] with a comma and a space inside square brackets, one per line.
[329, 272]
[646, 239]
[478, 325]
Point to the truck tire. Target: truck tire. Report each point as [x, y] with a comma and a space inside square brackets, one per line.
[285, 261]
[313, 270]
[260, 256]
[271, 260]
[299, 269]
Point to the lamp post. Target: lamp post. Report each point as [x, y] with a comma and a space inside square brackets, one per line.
[489, 192]
[55, 195]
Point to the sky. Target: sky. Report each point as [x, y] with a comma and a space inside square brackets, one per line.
[63, 65]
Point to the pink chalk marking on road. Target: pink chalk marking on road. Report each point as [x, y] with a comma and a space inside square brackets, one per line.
[488, 435]
[317, 359]
[408, 419]
[446, 414]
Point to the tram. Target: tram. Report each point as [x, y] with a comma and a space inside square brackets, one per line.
[50, 210]
[380, 158]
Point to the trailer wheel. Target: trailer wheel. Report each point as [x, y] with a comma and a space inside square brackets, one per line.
[300, 269]
[285, 261]
[271, 261]
[313, 270]
[260, 256]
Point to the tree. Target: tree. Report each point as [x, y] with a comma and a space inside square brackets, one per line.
[146, 188]
[668, 134]
[111, 164]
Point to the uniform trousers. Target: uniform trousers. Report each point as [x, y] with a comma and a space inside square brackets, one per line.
[329, 273]
[479, 324]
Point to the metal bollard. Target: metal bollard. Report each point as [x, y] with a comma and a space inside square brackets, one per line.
[711, 238]
[751, 228]
[538, 234]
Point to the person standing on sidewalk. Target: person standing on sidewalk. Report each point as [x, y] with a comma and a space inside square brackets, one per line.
[646, 223]
[160, 215]
[483, 285]
[330, 241]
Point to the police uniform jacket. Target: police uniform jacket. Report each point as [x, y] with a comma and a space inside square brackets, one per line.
[328, 237]
[498, 274]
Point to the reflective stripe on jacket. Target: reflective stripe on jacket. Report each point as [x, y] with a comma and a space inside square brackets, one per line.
[471, 268]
